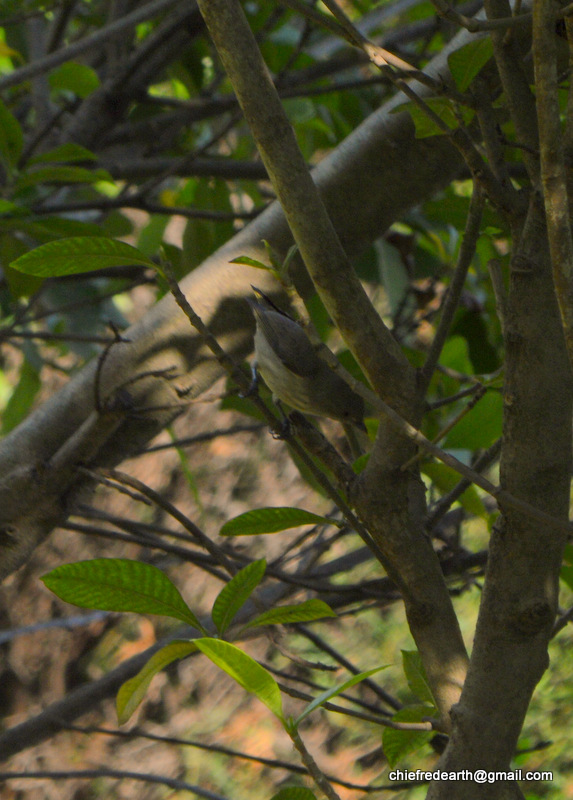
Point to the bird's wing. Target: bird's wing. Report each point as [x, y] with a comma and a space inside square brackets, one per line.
[290, 343]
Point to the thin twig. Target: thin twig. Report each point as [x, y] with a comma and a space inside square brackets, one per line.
[110, 203]
[318, 641]
[272, 763]
[117, 774]
[318, 776]
[499, 290]
[500, 195]
[445, 502]
[173, 511]
[277, 428]
[477, 26]
[466, 254]
[97, 39]
[446, 401]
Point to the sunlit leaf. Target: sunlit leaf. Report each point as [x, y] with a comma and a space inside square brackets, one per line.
[294, 793]
[398, 743]
[334, 692]
[245, 670]
[270, 520]
[23, 396]
[250, 262]
[133, 691]
[300, 612]
[119, 584]
[416, 676]
[236, 593]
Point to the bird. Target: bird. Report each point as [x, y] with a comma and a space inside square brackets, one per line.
[293, 370]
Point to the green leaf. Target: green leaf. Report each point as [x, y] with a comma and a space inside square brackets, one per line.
[251, 262]
[416, 676]
[466, 62]
[397, 743]
[74, 77]
[151, 237]
[236, 593]
[245, 670]
[294, 793]
[46, 229]
[79, 254]
[359, 465]
[203, 236]
[11, 137]
[66, 153]
[22, 397]
[443, 108]
[566, 575]
[455, 355]
[12, 209]
[471, 324]
[481, 427]
[270, 520]
[120, 584]
[132, 692]
[63, 174]
[299, 612]
[330, 693]
[445, 478]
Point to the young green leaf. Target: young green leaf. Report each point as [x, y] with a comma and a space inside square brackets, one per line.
[120, 584]
[299, 612]
[416, 676]
[334, 692]
[236, 593]
[250, 262]
[294, 793]
[398, 743]
[245, 670]
[14, 210]
[22, 397]
[132, 692]
[77, 255]
[270, 520]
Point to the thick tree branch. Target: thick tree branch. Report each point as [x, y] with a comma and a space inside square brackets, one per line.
[353, 180]
[312, 229]
[519, 600]
[553, 170]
